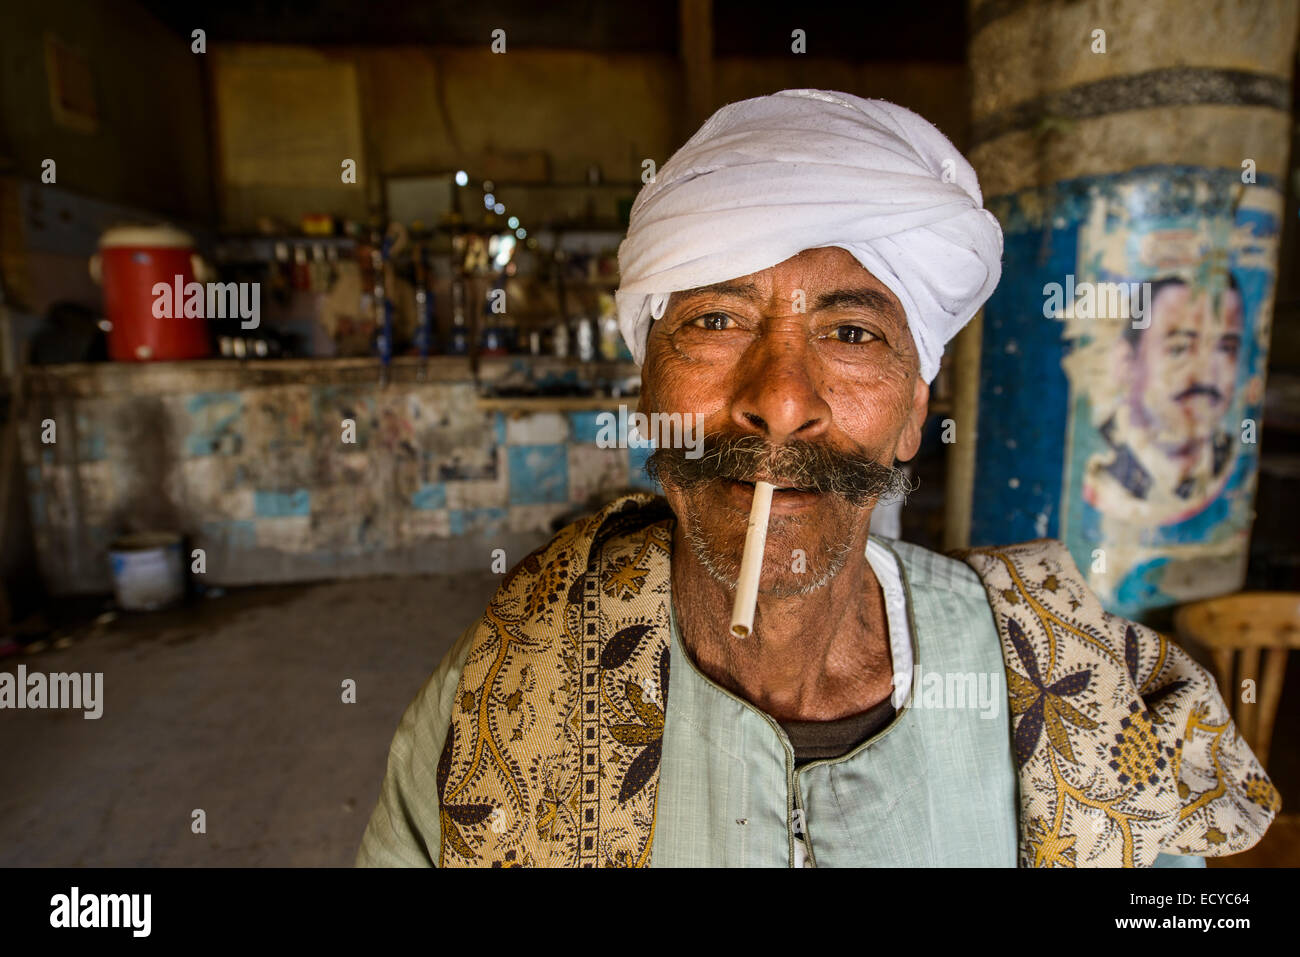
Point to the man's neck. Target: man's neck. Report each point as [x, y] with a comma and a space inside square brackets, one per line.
[813, 657]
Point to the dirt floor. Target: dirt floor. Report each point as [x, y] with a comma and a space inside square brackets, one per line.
[232, 705]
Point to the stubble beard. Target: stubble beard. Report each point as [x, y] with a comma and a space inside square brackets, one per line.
[805, 550]
[719, 555]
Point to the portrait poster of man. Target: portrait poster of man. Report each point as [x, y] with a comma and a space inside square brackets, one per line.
[1160, 471]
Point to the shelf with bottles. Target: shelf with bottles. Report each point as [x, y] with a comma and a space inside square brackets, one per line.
[257, 247]
[503, 379]
[547, 383]
[387, 289]
[552, 403]
[584, 339]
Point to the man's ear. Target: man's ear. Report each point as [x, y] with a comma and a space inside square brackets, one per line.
[909, 440]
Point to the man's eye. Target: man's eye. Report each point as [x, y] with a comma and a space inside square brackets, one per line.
[853, 334]
[716, 321]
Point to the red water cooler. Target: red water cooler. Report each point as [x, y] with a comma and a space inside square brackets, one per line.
[130, 262]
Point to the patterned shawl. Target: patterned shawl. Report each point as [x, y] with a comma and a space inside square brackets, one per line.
[1123, 745]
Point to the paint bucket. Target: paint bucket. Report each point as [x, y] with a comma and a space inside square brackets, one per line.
[148, 572]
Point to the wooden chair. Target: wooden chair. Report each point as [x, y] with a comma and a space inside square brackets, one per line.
[1235, 629]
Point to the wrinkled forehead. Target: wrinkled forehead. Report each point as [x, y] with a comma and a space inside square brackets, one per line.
[820, 278]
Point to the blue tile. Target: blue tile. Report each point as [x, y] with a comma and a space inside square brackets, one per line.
[93, 445]
[214, 423]
[430, 495]
[501, 428]
[539, 474]
[237, 533]
[636, 475]
[200, 401]
[585, 426]
[281, 504]
[462, 520]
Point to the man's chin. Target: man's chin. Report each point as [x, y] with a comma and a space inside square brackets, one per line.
[787, 572]
[807, 543]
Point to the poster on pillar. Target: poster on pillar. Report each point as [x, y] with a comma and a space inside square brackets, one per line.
[1165, 325]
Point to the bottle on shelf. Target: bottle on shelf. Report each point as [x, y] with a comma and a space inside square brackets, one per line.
[560, 340]
[585, 337]
[280, 275]
[301, 269]
[459, 343]
[493, 337]
[382, 304]
[320, 269]
[426, 328]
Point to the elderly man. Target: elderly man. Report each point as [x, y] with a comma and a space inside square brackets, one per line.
[791, 277]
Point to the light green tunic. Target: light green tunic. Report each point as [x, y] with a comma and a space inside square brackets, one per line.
[935, 787]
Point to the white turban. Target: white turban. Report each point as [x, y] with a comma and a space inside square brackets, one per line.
[765, 179]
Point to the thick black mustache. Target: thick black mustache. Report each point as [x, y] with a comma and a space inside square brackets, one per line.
[809, 466]
[1199, 389]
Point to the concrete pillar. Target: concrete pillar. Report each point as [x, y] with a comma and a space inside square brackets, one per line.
[1135, 153]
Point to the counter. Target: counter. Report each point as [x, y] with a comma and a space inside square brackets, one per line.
[300, 469]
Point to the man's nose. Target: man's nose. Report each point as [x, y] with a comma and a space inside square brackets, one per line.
[777, 393]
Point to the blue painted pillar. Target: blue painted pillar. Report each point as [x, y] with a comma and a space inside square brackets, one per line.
[1139, 183]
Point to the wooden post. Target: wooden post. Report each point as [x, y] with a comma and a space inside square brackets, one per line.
[965, 415]
[696, 19]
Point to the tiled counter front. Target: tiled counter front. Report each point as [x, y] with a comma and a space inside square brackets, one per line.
[258, 467]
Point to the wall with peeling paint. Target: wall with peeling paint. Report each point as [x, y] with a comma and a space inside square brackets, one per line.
[256, 472]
